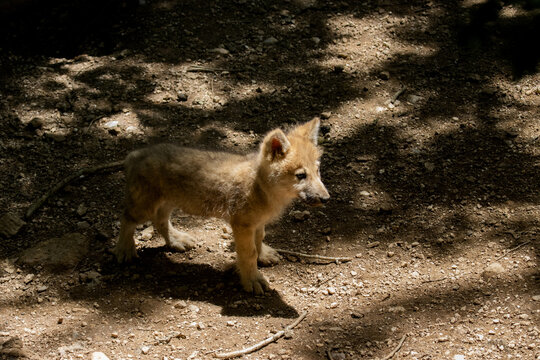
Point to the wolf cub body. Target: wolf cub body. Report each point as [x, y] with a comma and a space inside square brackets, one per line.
[247, 191]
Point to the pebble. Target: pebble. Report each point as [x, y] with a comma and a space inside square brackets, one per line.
[182, 97]
[147, 233]
[111, 124]
[81, 209]
[326, 115]
[42, 288]
[384, 75]
[373, 244]
[316, 40]
[331, 290]
[145, 349]
[99, 356]
[220, 51]
[270, 41]
[28, 278]
[364, 193]
[493, 270]
[180, 304]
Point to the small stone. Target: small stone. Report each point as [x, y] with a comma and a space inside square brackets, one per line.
[384, 75]
[60, 321]
[390, 254]
[536, 297]
[331, 290]
[111, 124]
[270, 41]
[459, 357]
[145, 349]
[81, 209]
[288, 334]
[334, 305]
[220, 51]
[364, 193]
[99, 356]
[114, 335]
[147, 233]
[42, 288]
[10, 225]
[326, 231]
[493, 270]
[316, 40]
[83, 225]
[180, 304]
[194, 308]
[429, 166]
[413, 99]
[37, 123]
[373, 244]
[28, 278]
[326, 115]
[182, 97]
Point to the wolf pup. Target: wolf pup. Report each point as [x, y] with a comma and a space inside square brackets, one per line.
[247, 191]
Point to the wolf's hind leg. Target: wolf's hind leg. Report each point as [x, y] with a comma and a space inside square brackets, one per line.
[125, 249]
[174, 239]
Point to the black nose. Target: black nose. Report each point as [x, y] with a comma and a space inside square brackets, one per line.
[324, 200]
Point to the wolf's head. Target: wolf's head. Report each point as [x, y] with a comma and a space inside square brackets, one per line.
[290, 161]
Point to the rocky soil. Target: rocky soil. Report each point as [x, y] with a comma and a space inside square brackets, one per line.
[430, 130]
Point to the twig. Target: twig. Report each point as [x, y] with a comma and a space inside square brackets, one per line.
[198, 68]
[398, 347]
[434, 280]
[398, 94]
[263, 343]
[329, 354]
[318, 257]
[64, 182]
[513, 249]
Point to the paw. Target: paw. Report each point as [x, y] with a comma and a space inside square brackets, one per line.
[268, 256]
[125, 254]
[256, 285]
[180, 241]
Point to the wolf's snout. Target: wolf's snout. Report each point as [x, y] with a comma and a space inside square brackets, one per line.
[324, 200]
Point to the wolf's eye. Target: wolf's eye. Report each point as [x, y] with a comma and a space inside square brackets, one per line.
[301, 176]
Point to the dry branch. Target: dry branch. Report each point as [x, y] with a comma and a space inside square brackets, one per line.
[513, 249]
[263, 343]
[398, 347]
[59, 185]
[317, 257]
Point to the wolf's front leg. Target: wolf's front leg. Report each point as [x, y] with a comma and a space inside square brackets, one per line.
[252, 280]
[267, 255]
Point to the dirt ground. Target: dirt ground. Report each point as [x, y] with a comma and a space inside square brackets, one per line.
[430, 126]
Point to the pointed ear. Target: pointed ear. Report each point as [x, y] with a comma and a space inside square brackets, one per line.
[310, 130]
[275, 144]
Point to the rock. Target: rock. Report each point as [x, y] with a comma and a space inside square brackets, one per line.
[145, 349]
[364, 193]
[384, 75]
[413, 99]
[270, 41]
[12, 348]
[493, 270]
[37, 123]
[337, 355]
[182, 97]
[181, 304]
[429, 166]
[326, 115]
[81, 209]
[42, 288]
[83, 225]
[220, 51]
[10, 224]
[316, 40]
[147, 233]
[57, 253]
[536, 298]
[111, 124]
[373, 244]
[28, 278]
[300, 215]
[99, 356]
